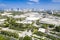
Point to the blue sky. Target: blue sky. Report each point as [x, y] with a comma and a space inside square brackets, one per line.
[37, 4]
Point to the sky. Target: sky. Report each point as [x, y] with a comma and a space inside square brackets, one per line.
[37, 4]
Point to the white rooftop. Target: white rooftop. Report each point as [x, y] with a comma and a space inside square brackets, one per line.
[50, 21]
[24, 22]
[41, 29]
[23, 34]
[19, 16]
[5, 13]
[2, 20]
[32, 18]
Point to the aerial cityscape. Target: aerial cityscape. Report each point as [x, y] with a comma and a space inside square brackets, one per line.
[29, 19]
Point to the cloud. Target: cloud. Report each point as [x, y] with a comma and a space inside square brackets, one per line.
[55, 0]
[2, 5]
[34, 0]
[30, 3]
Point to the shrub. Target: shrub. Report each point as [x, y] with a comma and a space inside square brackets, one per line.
[15, 35]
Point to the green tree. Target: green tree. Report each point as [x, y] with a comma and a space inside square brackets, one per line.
[57, 29]
[45, 26]
[21, 38]
[37, 22]
[10, 22]
[27, 38]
